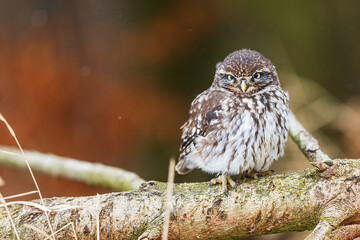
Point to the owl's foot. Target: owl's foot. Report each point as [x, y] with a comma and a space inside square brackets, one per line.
[258, 175]
[224, 179]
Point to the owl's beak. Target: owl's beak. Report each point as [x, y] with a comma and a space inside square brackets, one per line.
[243, 85]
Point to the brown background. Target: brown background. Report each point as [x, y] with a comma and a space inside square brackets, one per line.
[111, 81]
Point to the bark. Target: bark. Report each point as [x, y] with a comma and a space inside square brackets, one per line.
[95, 174]
[297, 201]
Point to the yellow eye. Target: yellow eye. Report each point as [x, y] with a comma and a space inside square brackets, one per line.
[230, 77]
[257, 75]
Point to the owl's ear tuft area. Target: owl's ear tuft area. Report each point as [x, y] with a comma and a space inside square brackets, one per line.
[218, 65]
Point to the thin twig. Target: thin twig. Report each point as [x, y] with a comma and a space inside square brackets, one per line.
[169, 191]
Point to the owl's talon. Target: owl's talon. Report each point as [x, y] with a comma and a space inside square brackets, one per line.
[329, 163]
[224, 179]
[231, 182]
[215, 181]
[270, 172]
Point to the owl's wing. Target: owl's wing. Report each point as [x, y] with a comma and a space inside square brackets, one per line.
[205, 114]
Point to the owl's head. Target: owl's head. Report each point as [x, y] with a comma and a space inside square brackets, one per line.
[245, 72]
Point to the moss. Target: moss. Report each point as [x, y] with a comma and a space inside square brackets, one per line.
[306, 222]
[138, 231]
[4, 229]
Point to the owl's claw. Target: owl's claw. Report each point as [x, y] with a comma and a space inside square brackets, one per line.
[224, 179]
[211, 182]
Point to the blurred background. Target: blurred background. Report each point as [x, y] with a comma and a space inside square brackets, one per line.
[112, 81]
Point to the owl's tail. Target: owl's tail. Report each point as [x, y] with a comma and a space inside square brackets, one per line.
[182, 168]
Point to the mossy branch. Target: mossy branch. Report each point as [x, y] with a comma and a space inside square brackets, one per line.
[95, 174]
[324, 198]
[295, 201]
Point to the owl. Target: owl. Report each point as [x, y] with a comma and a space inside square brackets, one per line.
[238, 126]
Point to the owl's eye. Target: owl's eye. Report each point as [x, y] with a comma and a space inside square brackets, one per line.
[257, 75]
[230, 77]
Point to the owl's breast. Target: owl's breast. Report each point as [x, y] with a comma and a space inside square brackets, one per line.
[250, 136]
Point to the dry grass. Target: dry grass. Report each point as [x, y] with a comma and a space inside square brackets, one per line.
[20, 195]
[53, 235]
[44, 208]
[97, 217]
[36, 230]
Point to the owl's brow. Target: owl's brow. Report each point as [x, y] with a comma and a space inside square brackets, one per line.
[222, 71]
[265, 69]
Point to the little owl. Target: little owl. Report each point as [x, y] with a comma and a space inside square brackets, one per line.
[240, 124]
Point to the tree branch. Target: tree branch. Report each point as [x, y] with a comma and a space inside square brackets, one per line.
[95, 174]
[307, 144]
[325, 198]
[287, 202]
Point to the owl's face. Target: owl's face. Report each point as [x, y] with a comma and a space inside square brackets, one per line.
[245, 72]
